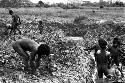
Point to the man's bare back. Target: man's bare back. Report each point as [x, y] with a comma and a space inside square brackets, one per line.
[30, 60]
[27, 44]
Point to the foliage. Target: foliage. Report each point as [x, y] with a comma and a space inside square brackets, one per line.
[73, 64]
[101, 7]
[68, 56]
[4, 3]
[67, 6]
[15, 3]
[118, 4]
[40, 4]
[78, 19]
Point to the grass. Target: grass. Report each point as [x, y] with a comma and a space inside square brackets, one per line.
[76, 66]
[69, 15]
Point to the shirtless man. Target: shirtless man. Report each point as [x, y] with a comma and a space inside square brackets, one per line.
[15, 22]
[40, 26]
[116, 52]
[42, 51]
[102, 57]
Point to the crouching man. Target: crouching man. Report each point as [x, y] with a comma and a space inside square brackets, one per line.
[32, 60]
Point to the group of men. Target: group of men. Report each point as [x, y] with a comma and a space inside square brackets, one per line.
[31, 61]
[106, 56]
[16, 22]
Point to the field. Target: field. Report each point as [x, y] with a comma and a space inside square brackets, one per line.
[58, 14]
[75, 29]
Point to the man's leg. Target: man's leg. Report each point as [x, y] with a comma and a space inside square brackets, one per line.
[14, 29]
[100, 72]
[23, 54]
[112, 62]
[105, 70]
[26, 61]
[11, 30]
[32, 63]
[18, 30]
[118, 66]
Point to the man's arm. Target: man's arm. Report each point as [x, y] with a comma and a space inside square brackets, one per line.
[90, 48]
[109, 48]
[32, 64]
[19, 21]
[109, 59]
[121, 51]
[33, 54]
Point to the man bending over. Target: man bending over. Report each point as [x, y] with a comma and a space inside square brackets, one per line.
[37, 52]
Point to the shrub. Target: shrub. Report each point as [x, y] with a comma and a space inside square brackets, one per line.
[79, 19]
[101, 7]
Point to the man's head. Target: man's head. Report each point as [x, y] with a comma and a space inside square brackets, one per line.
[43, 49]
[40, 22]
[11, 12]
[102, 43]
[116, 42]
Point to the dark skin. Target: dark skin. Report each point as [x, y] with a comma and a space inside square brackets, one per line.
[95, 47]
[15, 23]
[43, 51]
[102, 58]
[36, 53]
[40, 26]
[24, 45]
[114, 55]
[116, 52]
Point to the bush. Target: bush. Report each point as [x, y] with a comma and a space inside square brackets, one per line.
[79, 19]
[72, 62]
[101, 7]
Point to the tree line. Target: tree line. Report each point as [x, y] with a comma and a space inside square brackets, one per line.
[15, 3]
[27, 3]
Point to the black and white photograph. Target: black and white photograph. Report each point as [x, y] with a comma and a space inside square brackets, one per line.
[62, 41]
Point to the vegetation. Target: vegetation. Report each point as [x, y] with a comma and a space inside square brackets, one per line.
[72, 5]
[73, 64]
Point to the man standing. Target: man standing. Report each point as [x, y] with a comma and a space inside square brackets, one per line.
[102, 57]
[116, 52]
[15, 22]
[41, 26]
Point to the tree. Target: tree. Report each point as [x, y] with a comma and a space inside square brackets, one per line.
[118, 4]
[5, 3]
[40, 4]
[15, 3]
